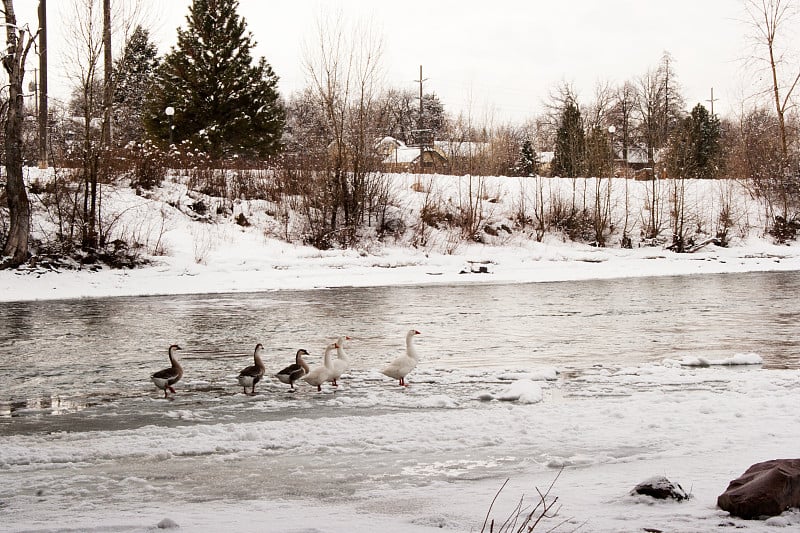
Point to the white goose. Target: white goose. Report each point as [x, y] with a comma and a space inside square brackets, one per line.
[253, 373]
[341, 363]
[400, 367]
[293, 372]
[165, 379]
[320, 374]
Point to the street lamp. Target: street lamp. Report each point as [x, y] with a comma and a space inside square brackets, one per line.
[611, 130]
[170, 112]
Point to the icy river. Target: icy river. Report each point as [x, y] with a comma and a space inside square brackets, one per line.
[84, 434]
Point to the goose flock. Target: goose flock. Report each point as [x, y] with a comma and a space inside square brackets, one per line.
[329, 371]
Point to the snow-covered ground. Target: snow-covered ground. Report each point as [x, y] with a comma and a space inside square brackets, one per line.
[373, 457]
[195, 256]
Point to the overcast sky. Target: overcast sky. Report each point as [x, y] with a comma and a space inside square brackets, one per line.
[499, 59]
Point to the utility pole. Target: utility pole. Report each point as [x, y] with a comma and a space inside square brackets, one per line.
[42, 86]
[108, 70]
[35, 85]
[712, 101]
[420, 122]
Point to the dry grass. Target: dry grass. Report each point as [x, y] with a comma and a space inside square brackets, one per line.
[524, 518]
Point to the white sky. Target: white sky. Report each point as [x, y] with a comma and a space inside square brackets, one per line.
[499, 59]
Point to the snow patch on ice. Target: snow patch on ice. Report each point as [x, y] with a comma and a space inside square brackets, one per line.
[739, 359]
[522, 391]
[438, 401]
[543, 374]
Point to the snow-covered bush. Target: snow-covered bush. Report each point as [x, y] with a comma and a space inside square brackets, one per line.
[148, 165]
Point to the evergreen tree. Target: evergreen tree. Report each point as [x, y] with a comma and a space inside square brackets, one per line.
[570, 149]
[706, 149]
[598, 153]
[528, 164]
[695, 148]
[433, 118]
[133, 79]
[224, 102]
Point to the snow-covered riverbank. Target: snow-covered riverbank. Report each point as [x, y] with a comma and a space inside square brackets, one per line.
[245, 263]
[191, 254]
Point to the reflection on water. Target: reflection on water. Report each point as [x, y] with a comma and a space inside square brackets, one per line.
[59, 357]
[52, 405]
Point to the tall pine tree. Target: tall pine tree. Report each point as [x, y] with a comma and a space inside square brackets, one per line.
[224, 102]
[706, 134]
[695, 149]
[133, 79]
[570, 150]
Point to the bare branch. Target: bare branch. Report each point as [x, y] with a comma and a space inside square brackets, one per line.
[489, 511]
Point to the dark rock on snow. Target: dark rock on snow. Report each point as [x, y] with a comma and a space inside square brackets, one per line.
[167, 523]
[765, 489]
[660, 488]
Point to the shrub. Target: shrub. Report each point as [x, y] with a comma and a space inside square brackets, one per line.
[784, 230]
[149, 166]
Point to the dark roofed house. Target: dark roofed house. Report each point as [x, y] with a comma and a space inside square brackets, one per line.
[402, 158]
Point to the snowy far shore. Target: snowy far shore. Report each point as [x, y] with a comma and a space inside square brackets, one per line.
[190, 255]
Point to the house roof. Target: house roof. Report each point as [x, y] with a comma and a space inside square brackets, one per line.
[402, 154]
[545, 157]
[638, 155]
[388, 143]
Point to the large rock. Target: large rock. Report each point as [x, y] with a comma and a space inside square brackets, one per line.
[765, 489]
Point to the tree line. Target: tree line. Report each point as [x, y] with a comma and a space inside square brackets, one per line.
[208, 105]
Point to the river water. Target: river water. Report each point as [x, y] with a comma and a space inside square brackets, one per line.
[80, 417]
[62, 357]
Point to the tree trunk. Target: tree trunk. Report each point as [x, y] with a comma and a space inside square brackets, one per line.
[778, 107]
[16, 246]
[43, 114]
[105, 141]
[108, 70]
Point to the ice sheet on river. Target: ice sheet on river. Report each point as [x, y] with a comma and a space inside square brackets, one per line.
[372, 454]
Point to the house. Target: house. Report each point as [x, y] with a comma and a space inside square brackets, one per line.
[387, 145]
[397, 157]
[638, 162]
[545, 160]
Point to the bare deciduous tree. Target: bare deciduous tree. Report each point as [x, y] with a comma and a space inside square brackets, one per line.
[503, 152]
[597, 113]
[345, 75]
[649, 105]
[90, 61]
[19, 41]
[769, 20]
[650, 110]
[754, 158]
[621, 117]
